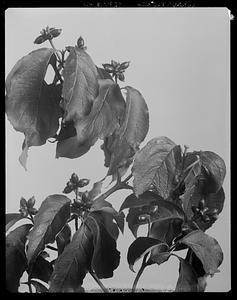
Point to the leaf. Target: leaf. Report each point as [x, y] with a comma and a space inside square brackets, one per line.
[191, 181]
[158, 163]
[159, 210]
[106, 257]
[16, 262]
[196, 264]
[63, 238]
[132, 132]
[101, 122]
[48, 222]
[32, 106]
[187, 281]
[216, 170]
[140, 247]
[96, 189]
[80, 86]
[11, 219]
[206, 248]
[41, 269]
[73, 264]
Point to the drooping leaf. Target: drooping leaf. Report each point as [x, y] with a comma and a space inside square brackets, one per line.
[63, 238]
[101, 122]
[32, 106]
[216, 168]
[16, 262]
[80, 86]
[159, 210]
[158, 163]
[132, 132]
[48, 222]
[41, 269]
[206, 249]
[73, 264]
[187, 281]
[106, 257]
[140, 247]
[11, 219]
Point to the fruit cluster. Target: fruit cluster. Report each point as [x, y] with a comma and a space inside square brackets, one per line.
[27, 207]
[47, 34]
[74, 183]
[203, 212]
[116, 69]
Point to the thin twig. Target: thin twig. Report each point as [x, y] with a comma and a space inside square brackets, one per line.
[93, 274]
[139, 273]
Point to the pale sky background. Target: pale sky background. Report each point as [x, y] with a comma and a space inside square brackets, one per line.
[180, 62]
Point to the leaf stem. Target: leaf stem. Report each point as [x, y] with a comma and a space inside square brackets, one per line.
[93, 274]
[76, 223]
[118, 186]
[56, 52]
[51, 247]
[139, 273]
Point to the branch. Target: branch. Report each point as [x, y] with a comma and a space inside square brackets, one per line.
[118, 186]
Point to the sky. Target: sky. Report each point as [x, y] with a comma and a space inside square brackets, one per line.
[180, 62]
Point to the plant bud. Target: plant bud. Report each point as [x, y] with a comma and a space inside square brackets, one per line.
[108, 68]
[55, 32]
[205, 218]
[114, 63]
[121, 76]
[74, 178]
[24, 212]
[31, 202]
[33, 210]
[83, 182]
[23, 202]
[84, 196]
[80, 43]
[124, 65]
[39, 40]
[67, 190]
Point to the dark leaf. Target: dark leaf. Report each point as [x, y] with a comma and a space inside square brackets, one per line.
[187, 281]
[63, 238]
[216, 168]
[48, 222]
[158, 163]
[16, 262]
[106, 257]
[159, 255]
[133, 130]
[67, 130]
[40, 288]
[73, 264]
[32, 106]
[41, 269]
[140, 247]
[206, 249]
[11, 219]
[80, 86]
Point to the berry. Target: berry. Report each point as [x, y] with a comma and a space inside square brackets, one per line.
[23, 203]
[74, 178]
[83, 182]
